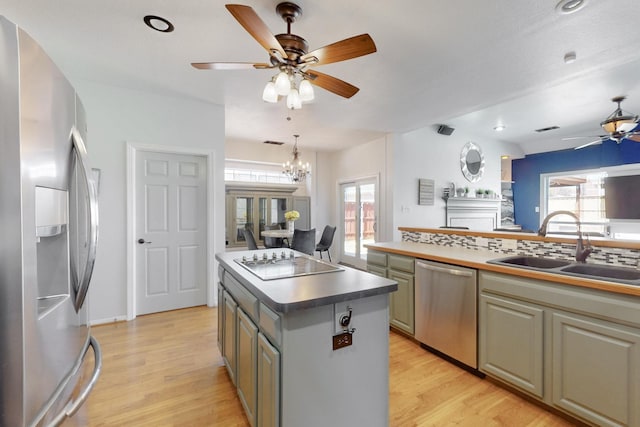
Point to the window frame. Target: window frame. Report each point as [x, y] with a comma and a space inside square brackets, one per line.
[613, 229]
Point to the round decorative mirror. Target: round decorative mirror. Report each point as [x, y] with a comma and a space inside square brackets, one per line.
[472, 162]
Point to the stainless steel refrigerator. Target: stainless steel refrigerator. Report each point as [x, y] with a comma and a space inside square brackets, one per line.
[48, 237]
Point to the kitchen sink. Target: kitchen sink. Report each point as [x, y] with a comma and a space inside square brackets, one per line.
[612, 273]
[531, 262]
[604, 271]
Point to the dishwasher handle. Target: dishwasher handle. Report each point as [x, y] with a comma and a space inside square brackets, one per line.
[451, 271]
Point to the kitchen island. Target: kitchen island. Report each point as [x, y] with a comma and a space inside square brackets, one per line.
[304, 341]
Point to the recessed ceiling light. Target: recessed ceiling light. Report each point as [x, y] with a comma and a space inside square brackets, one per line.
[564, 7]
[569, 57]
[158, 23]
[504, 157]
[499, 128]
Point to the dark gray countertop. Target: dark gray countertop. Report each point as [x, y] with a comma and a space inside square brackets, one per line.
[296, 293]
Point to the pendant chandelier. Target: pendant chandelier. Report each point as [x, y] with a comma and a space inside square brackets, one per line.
[294, 168]
[284, 84]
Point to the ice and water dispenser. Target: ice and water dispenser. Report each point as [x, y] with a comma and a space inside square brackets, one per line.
[52, 237]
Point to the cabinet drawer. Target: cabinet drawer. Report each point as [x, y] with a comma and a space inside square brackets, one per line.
[377, 258]
[402, 263]
[270, 324]
[248, 302]
[378, 271]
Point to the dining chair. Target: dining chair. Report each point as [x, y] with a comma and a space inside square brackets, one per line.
[273, 242]
[326, 240]
[250, 239]
[304, 241]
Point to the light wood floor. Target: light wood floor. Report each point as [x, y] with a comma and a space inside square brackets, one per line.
[165, 370]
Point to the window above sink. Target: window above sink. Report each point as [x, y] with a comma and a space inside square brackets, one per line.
[583, 192]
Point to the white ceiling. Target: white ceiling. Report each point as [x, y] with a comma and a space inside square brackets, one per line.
[466, 63]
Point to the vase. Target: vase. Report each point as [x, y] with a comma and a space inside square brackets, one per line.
[290, 226]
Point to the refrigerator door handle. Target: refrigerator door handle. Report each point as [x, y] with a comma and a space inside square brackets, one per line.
[72, 407]
[81, 152]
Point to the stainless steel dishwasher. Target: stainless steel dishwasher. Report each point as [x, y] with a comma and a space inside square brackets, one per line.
[445, 310]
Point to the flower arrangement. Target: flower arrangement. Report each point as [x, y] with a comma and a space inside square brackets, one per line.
[291, 215]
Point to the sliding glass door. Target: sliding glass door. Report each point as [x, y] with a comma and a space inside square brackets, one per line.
[359, 213]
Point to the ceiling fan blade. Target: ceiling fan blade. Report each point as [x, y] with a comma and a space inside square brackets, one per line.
[634, 137]
[340, 51]
[582, 137]
[332, 84]
[597, 141]
[229, 66]
[251, 22]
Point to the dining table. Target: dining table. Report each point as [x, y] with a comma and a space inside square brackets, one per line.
[279, 234]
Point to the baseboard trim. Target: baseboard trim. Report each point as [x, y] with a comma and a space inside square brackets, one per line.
[96, 322]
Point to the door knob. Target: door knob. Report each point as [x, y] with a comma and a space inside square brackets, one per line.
[142, 241]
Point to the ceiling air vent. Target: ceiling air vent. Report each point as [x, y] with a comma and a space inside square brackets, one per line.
[274, 142]
[547, 129]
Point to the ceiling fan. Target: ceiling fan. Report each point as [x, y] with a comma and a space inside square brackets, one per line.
[290, 54]
[618, 125]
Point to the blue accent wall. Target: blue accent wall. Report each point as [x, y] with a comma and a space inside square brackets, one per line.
[526, 172]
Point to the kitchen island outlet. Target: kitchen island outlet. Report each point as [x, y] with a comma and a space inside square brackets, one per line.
[305, 342]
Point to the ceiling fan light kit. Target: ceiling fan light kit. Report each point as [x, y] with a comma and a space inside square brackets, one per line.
[306, 91]
[289, 53]
[283, 84]
[293, 100]
[619, 125]
[270, 93]
[619, 121]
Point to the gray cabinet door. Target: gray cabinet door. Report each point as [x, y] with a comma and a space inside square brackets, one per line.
[401, 302]
[511, 342]
[247, 359]
[229, 345]
[268, 384]
[596, 370]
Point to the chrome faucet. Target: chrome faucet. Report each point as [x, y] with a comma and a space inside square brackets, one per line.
[582, 250]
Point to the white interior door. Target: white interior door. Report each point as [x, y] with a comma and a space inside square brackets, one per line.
[359, 212]
[171, 231]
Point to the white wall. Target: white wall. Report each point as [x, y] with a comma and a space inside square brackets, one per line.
[424, 153]
[275, 154]
[399, 160]
[116, 116]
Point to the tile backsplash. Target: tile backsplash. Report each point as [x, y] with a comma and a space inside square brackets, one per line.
[502, 246]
